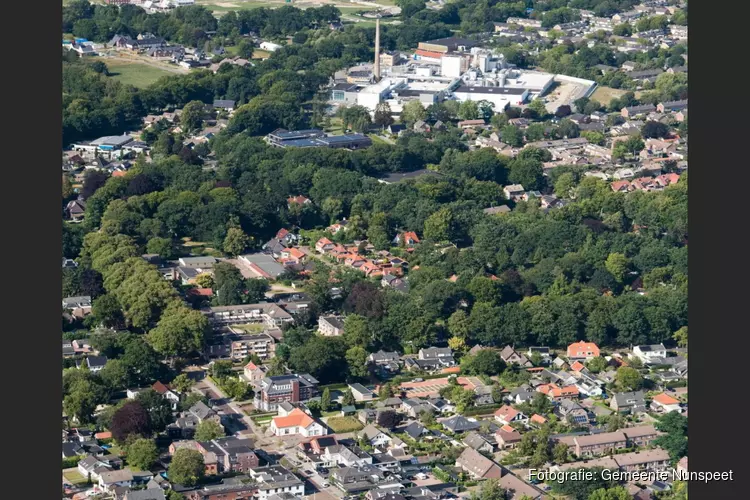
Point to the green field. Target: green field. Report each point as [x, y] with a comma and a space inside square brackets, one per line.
[74, 477]
[344, 424]
[135, 73]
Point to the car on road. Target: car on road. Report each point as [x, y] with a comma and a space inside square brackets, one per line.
[325, 484]
[418, 380]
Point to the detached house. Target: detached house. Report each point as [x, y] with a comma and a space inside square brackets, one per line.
[331, 326]
[506, 414]
[511, 356]
[409, 238]
[664, 403]
[583, 351]
[477, 465]
[650, 354]
[324, 245]
[628, 402]
[167, 394]
[297, 423]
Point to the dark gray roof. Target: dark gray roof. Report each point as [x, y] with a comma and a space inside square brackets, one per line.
[148, 494]
[414, 430]
[634, 398]
[94, 361]
[201, 410]
[224, 103]
[459, 423]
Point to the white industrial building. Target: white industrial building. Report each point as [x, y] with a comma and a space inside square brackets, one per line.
[503, 87]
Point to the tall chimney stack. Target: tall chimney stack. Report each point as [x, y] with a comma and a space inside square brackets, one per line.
[377, 50]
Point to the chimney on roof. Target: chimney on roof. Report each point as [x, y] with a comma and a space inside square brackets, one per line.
[377, 49]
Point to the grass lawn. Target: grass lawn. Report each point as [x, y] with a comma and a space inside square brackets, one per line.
[376, 139]
[261, 54]
[336, 126]
[605, 94]
[134, 73]
[250, 328]
[74, 477]
[344, 424]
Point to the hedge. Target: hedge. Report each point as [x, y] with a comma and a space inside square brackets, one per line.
[480, 410]
[67, 463]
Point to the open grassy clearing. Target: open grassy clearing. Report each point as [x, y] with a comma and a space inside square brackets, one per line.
[134, 73]
[344, 424]
[74, 477]
[606, 94]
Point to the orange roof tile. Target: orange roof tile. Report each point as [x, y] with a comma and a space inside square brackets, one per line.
[666, 399]
[577, 366]
[296, 418]
[538, 418]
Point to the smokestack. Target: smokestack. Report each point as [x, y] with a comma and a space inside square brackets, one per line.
[377, 49]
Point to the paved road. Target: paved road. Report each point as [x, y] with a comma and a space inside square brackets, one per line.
[239, 423]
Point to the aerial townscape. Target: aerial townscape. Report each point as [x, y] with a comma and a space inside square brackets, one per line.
[379, 250]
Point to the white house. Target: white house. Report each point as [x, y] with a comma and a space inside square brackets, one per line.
[295, 423]
[665, 403]
[506, 414]
[650, 353]
[122, 478]
[376, 437]
[270, 46]
[276, 480]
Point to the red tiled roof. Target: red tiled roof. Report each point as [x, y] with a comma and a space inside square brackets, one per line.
[429, 53]
[666, 399]
[296, 418]
[160, 388]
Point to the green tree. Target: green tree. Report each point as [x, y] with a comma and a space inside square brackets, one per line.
[325, 400]
[208, 430]
[161, 246]
[597, 365]
[614, 493]
[564, 185]
[490, 490]
[182, 383]
[437, 227]
[412, 112]
[236, 241]
[560, 453]
[458, 324]
[512, 136]
[180, 331]
[529, 173]
[348, 398]
[205, 280]
[681, 336]
[628, 378]
[356, 358]
[617, 265]
[615, 422]
[245, 49]
[256, 289]
[538, 107]
[332, 207]
[468, 110]
[383, 116]
[142, 453]
[187, 467]
[192, 116]
[159, 409]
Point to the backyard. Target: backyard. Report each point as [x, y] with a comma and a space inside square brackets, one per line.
[342, 425]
